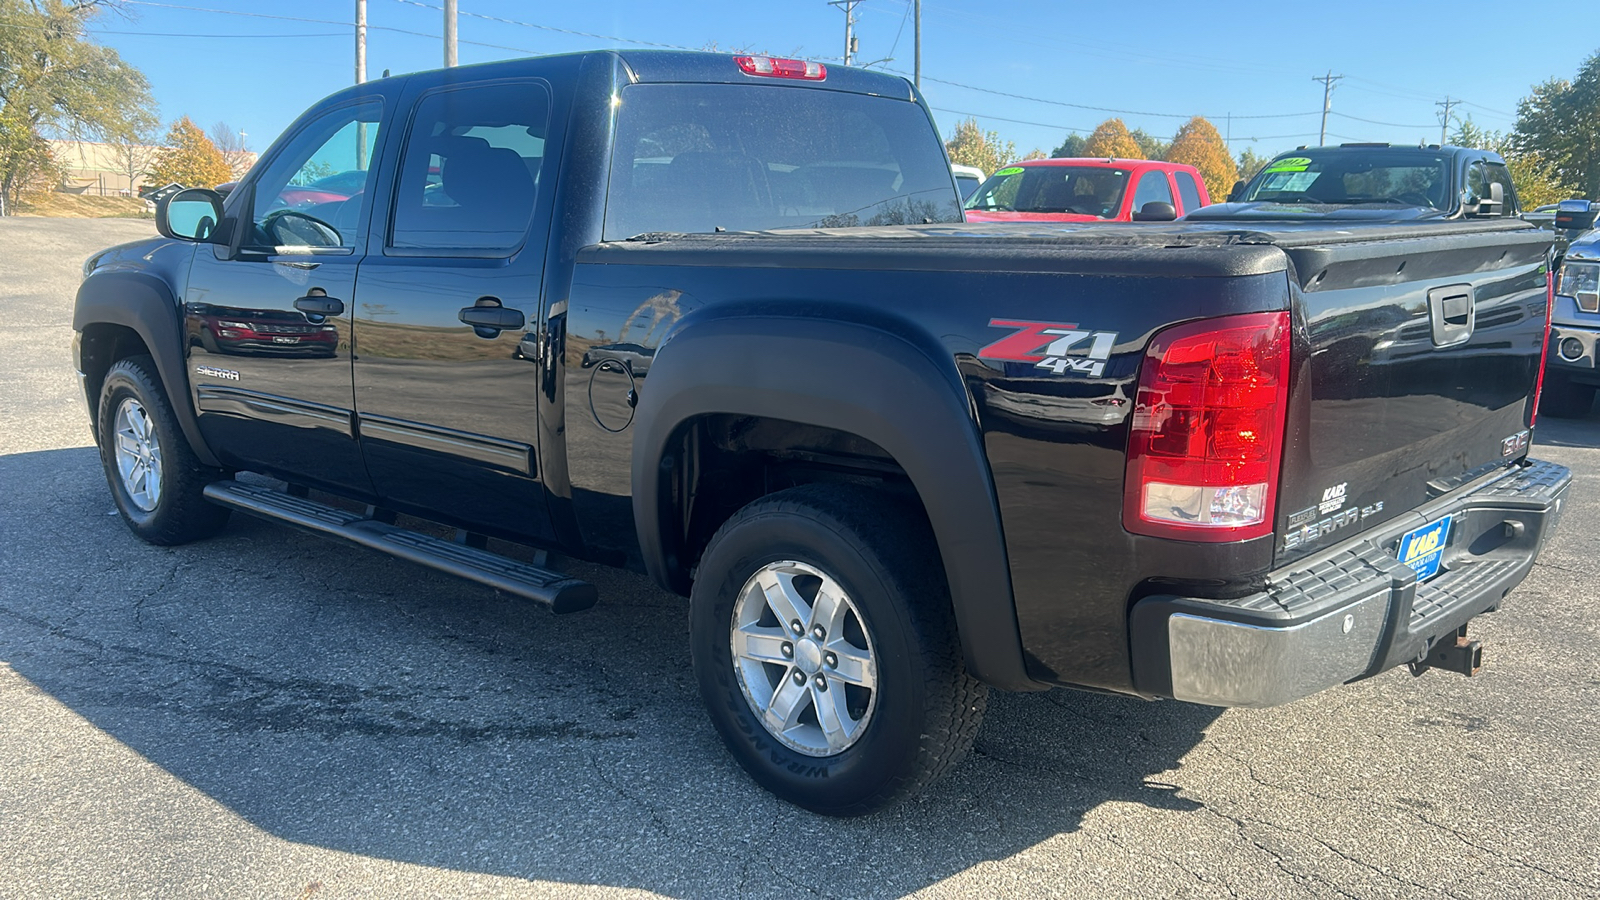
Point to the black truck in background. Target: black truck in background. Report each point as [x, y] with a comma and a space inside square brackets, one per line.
[718, 319]
[1373, 182]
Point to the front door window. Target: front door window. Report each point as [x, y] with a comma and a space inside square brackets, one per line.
[314, 194]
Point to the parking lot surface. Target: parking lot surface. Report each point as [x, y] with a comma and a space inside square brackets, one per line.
[268, 714]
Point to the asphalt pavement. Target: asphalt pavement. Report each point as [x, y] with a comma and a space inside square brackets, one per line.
[269, 714]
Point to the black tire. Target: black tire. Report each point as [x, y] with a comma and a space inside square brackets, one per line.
[178, 513]
[1564, 399]
[925, 708]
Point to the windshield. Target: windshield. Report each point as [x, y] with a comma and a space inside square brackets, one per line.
[1382, 177]
[706, 157]
[1085, 190]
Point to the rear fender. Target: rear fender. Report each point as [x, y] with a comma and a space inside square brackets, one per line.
[856, 379]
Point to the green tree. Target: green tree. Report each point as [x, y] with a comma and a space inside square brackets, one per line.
[25, 160]
[1560, 123]
[1151, 146]
[54, 79]
[1199, 144]
[1251, 162]
[1112, 140]
[1071, 147]
[190, 158]
[972, 146]
[1536, 181]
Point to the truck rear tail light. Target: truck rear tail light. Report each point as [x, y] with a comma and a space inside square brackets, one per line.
[1544, 345]
[782, 68]
[1207, 435]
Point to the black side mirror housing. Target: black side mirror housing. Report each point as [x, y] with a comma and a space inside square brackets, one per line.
[1237, 191]
[1156, 211]
[1576, 215]
[192, 214]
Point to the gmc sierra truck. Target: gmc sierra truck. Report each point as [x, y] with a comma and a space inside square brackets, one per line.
[718, 319]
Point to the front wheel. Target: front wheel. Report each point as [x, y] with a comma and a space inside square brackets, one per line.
[155, 478]
[825, 648]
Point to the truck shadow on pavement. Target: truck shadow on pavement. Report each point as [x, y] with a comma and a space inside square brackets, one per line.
[1554, 432]
[340, 699]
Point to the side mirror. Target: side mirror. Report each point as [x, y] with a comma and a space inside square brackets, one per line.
[1576, 215]
[1494, 204]
[1156, 211]
[1237, 192]
[189, 215]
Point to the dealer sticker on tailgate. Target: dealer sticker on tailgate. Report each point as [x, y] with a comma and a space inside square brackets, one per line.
[1423, 548]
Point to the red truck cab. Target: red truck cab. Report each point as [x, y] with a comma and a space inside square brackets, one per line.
[1087, 190]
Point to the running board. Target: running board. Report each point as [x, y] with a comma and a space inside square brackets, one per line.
[561, 593]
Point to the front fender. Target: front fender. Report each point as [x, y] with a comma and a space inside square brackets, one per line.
[863, 381]
[145, 304]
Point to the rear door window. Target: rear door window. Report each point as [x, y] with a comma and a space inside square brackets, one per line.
[470, 172]
[706, 157]
[1189, 191]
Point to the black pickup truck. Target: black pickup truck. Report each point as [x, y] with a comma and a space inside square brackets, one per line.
[1373, 182]
[718, 319]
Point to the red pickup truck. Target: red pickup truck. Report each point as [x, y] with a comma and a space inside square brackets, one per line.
[1088, 190]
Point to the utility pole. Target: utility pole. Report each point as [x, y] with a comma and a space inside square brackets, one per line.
[917, 35]
[1327, 102]
[361, 78]
[850, 43]
[1444, 118]
[449, 32]
[361, 41]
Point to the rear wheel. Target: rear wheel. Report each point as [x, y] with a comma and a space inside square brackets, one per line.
[155, 478]
[1565, 399]
[825, 649]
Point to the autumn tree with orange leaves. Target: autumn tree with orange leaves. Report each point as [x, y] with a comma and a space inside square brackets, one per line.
[1111, 140]
[1198, 144]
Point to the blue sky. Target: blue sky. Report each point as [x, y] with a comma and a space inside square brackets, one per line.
[1158, 62]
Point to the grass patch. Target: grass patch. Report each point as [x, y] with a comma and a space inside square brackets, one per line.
[77, 206]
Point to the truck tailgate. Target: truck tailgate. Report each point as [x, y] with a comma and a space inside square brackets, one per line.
[1425, 349]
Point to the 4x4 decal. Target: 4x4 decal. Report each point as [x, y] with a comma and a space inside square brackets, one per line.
[1047, 345]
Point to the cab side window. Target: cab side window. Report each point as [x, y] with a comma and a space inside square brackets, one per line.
[314, 193]
[470, 170]
[1152, 188]
[1189, 191]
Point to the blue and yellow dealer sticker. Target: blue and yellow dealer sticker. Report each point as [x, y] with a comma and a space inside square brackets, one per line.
[1423, 548]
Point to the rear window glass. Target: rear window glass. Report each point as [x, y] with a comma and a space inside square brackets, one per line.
[1084, 190]
[702, 157]
[1409, 179]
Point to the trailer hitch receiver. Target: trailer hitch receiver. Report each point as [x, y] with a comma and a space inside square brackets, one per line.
[1459, 655]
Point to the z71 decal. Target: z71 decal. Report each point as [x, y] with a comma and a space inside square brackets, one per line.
[1053, 346]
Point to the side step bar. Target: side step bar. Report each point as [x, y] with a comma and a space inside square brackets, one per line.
[555, 590]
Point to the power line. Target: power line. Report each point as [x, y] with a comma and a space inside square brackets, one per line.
[1125, 112]
[1375, 121]
[256, 15]
[587, 34]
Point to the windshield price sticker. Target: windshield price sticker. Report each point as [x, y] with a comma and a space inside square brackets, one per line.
[1010, 170]
[1292, 164]
[1423, 548]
